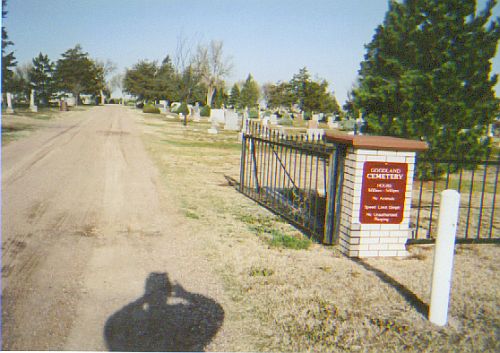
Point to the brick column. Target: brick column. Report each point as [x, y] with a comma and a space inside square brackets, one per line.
[376, 194]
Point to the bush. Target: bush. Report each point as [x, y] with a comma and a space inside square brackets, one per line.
[149, 108]
[183, 108]
[205, 111]
[253, 114]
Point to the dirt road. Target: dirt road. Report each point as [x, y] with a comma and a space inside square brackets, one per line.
[91, 247]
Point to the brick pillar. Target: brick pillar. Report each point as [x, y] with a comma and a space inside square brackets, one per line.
[376, 194]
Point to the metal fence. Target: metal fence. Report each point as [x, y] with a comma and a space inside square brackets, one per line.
[290, 174]
[477, 183]
[287, 174]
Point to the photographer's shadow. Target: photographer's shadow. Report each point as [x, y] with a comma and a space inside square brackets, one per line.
[166, 318]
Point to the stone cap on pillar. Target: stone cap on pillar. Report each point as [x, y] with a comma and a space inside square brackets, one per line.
[387, 143]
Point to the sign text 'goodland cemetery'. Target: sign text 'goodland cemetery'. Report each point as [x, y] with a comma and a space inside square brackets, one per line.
[383, 192]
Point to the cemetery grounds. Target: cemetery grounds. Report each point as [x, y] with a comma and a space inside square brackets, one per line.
[296, 295]
[286, 293]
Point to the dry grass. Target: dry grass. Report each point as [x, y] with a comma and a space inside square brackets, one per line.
[316, 299]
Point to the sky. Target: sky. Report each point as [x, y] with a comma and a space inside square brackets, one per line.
[270, 39]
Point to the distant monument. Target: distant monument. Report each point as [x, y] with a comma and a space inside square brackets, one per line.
[9, 110]
[33, 107]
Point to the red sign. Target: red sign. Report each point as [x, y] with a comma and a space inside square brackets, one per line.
[383, 192]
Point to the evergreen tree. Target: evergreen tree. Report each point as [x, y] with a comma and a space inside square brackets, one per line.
[41, 77]
[426, 74]
[249, 95]
[140, 80]
[280, 95]
[8, 58]
[220, 98]
[166, 80]
[77, 73]
[234, 97]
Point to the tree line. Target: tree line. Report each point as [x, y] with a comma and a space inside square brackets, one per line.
[426, 75]
[75, 72]
[201, 78]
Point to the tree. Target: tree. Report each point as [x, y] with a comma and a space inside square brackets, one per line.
[279, 95]
[310, 95]
[41, 78]
[426, 74]
[250, 93]
[140, 80]
[166, 80]
[77, 73]
[189, 88]
[8, 58]
[234, 96]
[106, 68]
[20, 83]
[212, 67]
[220, 98]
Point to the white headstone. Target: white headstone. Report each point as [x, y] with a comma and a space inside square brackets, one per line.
[9, 103]
[217, 115]
[332, 124]
[273, 119]
[196, 112]
[232, 120]
[213, 127]
[33, 107]
[316, 117]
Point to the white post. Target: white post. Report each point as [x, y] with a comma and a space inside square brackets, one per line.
[443, 257]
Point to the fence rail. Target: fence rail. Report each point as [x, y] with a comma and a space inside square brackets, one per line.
[477, 183]
[300, 178]
[287, 174]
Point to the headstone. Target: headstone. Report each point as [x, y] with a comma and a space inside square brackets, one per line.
[71, 101]
[213, 127]
[312, 124]
[315, 134]
[10, 109]
[332, 124]
[232, 121]
[217, 115]
[33, 107]
[316, 117]
[273, 119]
[174, 106]
[196, 112]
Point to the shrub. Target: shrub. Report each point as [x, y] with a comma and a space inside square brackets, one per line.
[149, 108]
[205, 111]
[253, 114]
[183, 108]
[286, 120]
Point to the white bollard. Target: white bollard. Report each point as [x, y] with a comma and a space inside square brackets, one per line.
[443, 257]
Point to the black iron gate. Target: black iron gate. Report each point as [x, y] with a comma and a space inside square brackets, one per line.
[289, 174]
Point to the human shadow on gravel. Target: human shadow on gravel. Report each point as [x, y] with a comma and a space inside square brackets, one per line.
[165, 318]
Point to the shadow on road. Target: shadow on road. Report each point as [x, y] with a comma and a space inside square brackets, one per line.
[166, 318]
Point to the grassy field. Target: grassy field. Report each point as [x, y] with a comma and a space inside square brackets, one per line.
[290, 294]
[23, 121]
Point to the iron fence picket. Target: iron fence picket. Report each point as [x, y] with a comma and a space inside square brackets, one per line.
[478, 221]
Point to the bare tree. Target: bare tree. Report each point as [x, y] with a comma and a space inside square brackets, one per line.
[116, 82]
[182, 56]
[108, 67]
[212, 66]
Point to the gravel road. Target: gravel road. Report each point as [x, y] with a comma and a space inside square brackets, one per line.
[94, 256]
